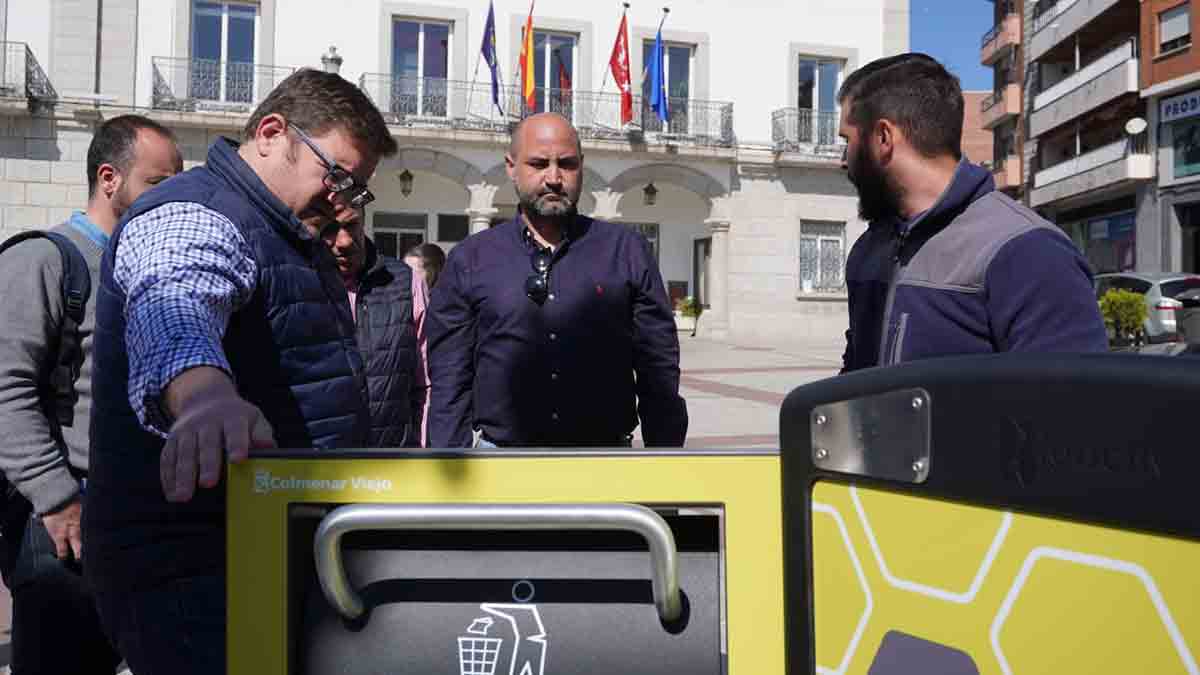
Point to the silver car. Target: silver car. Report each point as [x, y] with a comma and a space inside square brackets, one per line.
[1160, 290]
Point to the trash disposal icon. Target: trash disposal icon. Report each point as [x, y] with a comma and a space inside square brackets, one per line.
[479, 651]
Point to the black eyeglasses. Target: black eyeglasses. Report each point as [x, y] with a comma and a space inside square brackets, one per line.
[537, 286]
[337, 180]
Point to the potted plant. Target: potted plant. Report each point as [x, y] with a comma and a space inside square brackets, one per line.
[1124, 314]
[687, 313]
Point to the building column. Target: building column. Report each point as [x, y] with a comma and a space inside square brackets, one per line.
[481, 210]
[606, 205]
[715, 320]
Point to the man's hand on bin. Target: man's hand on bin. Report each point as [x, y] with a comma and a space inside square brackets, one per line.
[212, 423]
[62, 525]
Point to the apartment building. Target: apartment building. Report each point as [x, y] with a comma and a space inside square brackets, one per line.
[976, 139]
[1001, 112]
[739, 191]
[1088, 152]
[1171, 86]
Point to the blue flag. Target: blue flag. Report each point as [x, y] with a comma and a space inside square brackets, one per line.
[488, 49]
[658, 80]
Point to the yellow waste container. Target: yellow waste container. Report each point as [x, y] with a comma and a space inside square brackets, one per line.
[506, 562]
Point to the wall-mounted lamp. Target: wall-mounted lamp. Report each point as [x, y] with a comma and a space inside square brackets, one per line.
[406, 182]
[649, 194]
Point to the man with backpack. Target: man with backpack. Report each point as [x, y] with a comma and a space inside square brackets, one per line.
[46, 399]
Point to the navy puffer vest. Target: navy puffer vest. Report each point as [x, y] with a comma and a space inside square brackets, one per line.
[293, 354]
[388, 341]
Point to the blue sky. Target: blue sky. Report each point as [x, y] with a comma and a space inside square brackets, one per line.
[950, 30]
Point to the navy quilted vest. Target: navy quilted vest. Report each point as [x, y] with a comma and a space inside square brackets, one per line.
[293, 354]
[388, 341]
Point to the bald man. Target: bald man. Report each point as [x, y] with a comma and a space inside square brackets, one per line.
[552, 329]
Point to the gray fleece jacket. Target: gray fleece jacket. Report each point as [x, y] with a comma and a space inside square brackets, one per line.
[31, 312]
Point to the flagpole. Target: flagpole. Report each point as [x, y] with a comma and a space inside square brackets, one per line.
[604, 81]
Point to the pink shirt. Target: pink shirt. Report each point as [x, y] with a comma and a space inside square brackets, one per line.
[420, 296]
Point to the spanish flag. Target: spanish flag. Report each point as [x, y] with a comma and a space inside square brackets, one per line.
[527, 67]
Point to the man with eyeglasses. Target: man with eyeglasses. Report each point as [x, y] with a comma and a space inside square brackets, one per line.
[552, 329]
[221, 325]
[388, 300]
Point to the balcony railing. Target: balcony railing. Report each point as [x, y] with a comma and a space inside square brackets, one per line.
[21, 76]
[1126, 51]
[1126, 147]
[796, 128]
[207, 85]
[435, 102]
[992, 99]
[1049, 11]
[995, 30]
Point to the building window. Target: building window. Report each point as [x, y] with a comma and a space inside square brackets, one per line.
[822, 257]
[1185, 142]
[420, 66]
[677, 71]
[452, 227]
[650, 232]
[817, 100]
[223, 42]
[396, 233]
[554, 71]
[1174, 29]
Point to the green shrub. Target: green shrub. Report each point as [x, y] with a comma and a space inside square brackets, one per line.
[688, 307]
[1125, 313]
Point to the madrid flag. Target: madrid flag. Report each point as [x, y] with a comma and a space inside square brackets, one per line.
[619, 63]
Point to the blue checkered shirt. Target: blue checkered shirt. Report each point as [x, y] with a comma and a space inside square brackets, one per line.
[184, 269]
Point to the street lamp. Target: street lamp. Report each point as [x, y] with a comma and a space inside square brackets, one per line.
[649, 194]
[331, 61]
[406, 182]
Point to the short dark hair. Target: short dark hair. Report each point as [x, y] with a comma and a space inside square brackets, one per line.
[914, 92]
[433, 259]
[114, 142]
[317, 102]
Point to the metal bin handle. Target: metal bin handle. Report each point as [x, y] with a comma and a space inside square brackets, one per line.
[626, 517]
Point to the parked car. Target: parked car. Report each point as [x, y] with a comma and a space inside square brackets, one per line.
[1161, 290]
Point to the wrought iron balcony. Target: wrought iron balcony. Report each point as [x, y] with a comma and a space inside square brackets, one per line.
[21, 76]
[803, 130]
[1000, 39]
[435, 102]
[207, 85]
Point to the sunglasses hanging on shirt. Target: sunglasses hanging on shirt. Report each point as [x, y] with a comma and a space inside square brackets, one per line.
[537, 286]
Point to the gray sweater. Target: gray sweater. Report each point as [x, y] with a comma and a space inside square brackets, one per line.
[31, 311]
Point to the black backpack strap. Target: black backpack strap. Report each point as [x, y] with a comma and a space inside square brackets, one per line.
[76, 289]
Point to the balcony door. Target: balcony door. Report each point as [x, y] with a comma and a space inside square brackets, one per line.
[420, 67]
[817, 100]
[554, 72]
[677, 71]
[223, 51]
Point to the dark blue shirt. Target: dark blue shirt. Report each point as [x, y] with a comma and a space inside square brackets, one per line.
[577, 370]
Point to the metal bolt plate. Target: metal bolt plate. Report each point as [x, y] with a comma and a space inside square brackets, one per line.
[884, 436]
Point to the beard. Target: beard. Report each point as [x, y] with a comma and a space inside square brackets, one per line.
[538, 204]
[876, 199]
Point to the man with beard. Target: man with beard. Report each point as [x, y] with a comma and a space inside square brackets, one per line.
[948, 265]
[221, 324]
[387, 300]
[552, 329]
[44, 453]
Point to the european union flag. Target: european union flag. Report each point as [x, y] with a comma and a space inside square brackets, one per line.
[658, 80]
[488, 49]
